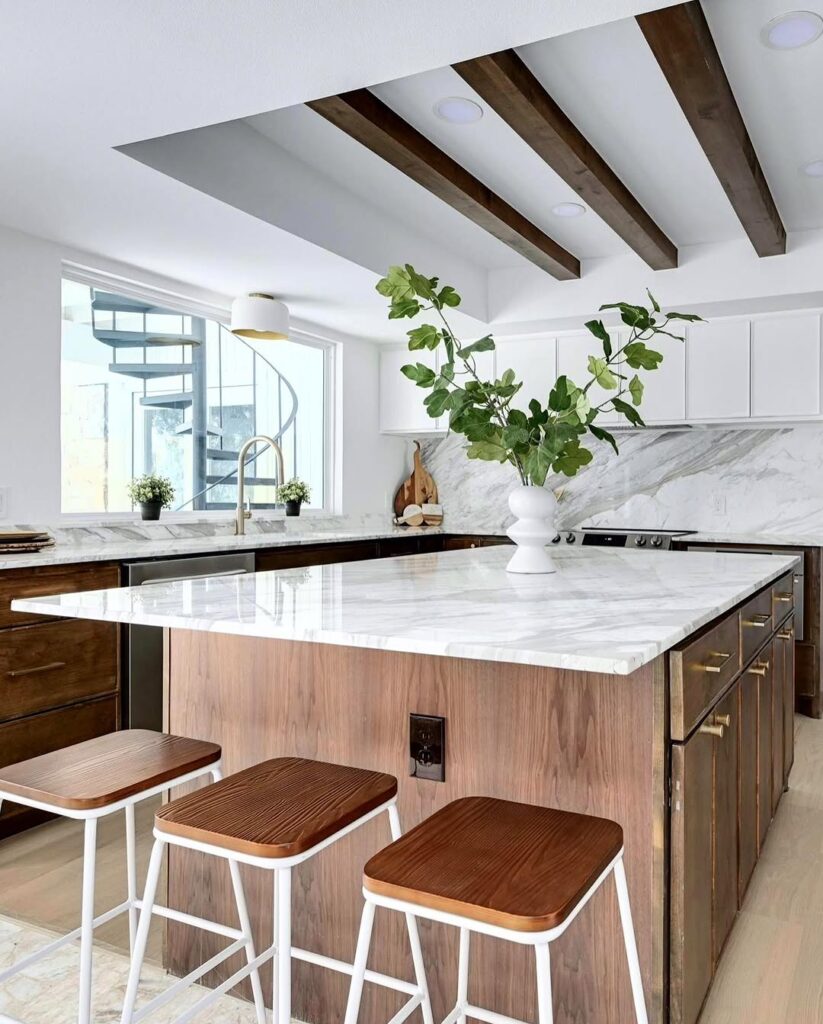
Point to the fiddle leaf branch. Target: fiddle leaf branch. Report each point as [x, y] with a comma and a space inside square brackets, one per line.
[550, 437]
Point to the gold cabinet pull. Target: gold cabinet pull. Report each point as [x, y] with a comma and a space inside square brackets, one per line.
[712, 730]
[785, 634]
[717, 668]
[760, 668]
[15, 673]
[758, 621]
[723, 720]
[784, 597]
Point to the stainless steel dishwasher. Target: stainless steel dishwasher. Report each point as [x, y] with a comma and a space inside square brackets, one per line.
[142, 705]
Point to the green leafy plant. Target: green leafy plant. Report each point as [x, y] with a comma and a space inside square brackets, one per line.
[552, 435]
[294, 490]
[145, 490]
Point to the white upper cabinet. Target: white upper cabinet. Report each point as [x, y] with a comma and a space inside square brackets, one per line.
[573, 351]
[664, 397]
[534, 361]
[401, 400]
[786, 365]
[717, 370]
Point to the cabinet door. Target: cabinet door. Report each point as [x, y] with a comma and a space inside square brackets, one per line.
[724, 876]
[573, 351]
[786, 638]
[786, 366]
[534, 361]
[401, 400]
[664, 398]
[717, 370]
[778, 674]
[762, 669]
[691, 876]
[749, 838]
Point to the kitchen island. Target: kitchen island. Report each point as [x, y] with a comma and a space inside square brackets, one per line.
[594, 689]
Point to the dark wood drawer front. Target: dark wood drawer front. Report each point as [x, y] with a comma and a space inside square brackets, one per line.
[52, 579]
[55, 663]
[314, 554]
[40, 734]
[756, 624]
[700, 673]
[783, 597]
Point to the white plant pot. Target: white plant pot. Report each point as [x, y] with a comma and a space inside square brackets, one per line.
[534, 509]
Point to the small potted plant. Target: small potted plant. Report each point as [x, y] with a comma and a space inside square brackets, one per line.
[294, 493]
[152, 493]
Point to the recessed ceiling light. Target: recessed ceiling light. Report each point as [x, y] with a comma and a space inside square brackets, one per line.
[458, 110]
[792, 30]
[568, 210]
[814, 169]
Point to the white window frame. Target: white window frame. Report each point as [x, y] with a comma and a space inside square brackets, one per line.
[180, 303]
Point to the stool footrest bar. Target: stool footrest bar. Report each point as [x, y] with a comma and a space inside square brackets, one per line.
[407, 1009]
[225, 986]
[196, 922]
[407, 987]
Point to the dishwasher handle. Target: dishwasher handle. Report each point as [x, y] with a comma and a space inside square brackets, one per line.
[199, 576]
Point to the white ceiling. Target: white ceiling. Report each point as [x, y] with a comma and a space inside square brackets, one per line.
[79, 78]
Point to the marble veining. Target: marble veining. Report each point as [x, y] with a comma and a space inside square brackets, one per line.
[603, 610]
[721, 482]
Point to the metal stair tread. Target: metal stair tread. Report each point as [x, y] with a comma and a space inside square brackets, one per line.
[145, 371]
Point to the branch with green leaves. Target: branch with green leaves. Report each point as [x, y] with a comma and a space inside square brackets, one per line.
[550, 437]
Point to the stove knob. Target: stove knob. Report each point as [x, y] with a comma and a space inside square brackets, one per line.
[640, 542]
[570, 538]
[556, 539]
[657, 542]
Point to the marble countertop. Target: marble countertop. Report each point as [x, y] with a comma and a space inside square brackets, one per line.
[139, 548]
[604, 610]
[796, 540]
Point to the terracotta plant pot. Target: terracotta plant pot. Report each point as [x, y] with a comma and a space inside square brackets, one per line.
[150, 509]
[293, 508]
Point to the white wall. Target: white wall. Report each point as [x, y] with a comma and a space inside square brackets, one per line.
[368, 466]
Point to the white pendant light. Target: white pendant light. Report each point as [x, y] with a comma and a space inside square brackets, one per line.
[260, 316]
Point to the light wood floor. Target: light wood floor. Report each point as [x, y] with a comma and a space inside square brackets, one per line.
[771, 971]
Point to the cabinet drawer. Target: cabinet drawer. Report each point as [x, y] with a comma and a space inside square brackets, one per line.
[314, 554]
[40, 734]
[756, 624]
[52, 579]
[700, 671]
[783, 597]
[55, 663]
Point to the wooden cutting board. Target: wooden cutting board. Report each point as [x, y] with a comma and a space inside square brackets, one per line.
[418, 489]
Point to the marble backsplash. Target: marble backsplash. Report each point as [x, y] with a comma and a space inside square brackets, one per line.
[703, 478]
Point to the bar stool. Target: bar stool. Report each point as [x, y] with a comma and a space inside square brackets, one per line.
[274, 815]
[510, 870]
[87, 781]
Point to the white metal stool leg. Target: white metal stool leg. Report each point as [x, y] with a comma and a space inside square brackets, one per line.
[463, 974]
[141, 938]
[282, 993]
[360, 959]
[630, 941]
[245, 927]
[131, 873]
[542, 958]
[87, 920]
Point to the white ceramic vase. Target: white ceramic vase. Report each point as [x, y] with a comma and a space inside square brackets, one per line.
[534, 509]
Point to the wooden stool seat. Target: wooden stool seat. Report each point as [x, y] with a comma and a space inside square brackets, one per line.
[506, 864]
[278, 808]
[102, 771]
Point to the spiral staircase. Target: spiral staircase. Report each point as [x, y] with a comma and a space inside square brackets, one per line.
[186, 399]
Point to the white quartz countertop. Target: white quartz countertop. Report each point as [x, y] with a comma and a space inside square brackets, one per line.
[604, 610]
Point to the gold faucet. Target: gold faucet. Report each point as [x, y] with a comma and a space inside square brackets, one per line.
[243, 513]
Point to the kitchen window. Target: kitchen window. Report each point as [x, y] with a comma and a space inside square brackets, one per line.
[152, 389]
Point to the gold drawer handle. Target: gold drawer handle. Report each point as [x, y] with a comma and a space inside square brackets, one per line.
[712, 730]
[723, 720]
[759, 621]
[15, 673]
[784, 597]
[718, 668]
[760, 669]
[785, 634]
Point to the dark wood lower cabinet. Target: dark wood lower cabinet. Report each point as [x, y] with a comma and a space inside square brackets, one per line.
[748, 835]
[725, 819]
[763, 670]
[785, 641]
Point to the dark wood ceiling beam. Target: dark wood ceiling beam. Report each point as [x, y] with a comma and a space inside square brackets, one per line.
[371, 122]
[682, 42]
[508, 86]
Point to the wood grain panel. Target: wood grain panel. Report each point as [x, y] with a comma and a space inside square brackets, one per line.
[52, 579]
[756, 624]
[575, 741]
[702, 669]
[749, 841]
[764, 742]
[724, 852]
[55, 663]
[314, 554]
